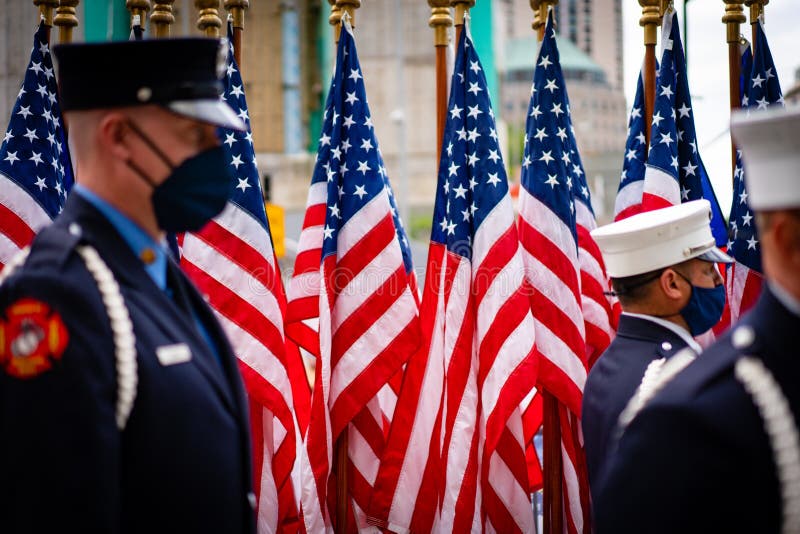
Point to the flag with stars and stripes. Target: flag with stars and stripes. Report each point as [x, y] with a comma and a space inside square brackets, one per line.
[35, 167]
[352, 300]
[232, 261]
[549, 232]
[631, 184]
[675, 172]
[476, 314]
[744, 277]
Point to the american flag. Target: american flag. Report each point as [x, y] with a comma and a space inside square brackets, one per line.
[352, 278]
[34, 157]
[599, 316]
[631, 184]
[478, 321]
[743, 281]
[549, 235]
[675, 172]
[233, 263]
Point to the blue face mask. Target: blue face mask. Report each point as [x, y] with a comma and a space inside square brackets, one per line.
[704, 308]
[195, 191]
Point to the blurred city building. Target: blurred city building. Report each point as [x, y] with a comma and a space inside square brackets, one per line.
[288, 57]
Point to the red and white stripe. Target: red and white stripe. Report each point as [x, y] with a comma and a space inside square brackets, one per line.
[629, 200]
[552, 266]
[232, 262]
[660, 190]
[598, 314]
[484, 324]
[21, 218]
[368, 328]
[743, 287]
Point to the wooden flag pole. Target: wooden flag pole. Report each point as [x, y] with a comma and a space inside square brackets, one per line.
[462, 8]
[208, 20]
[733, 18]
[650, 21]
[162, 18]
[66, 19]
[236, 9]
[138, 8]
[341, 459]
[46, 8]
[756, 11]
[552, 501]
[440, 21]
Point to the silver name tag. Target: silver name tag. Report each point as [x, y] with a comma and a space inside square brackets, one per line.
[174, 354]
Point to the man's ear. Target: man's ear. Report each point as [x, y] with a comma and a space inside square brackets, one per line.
[114, 135]
[670, 283]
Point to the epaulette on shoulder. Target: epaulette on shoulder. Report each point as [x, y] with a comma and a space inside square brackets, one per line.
[53, 246]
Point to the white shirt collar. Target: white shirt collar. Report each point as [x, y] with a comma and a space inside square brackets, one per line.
[677, 329]
[785, 298]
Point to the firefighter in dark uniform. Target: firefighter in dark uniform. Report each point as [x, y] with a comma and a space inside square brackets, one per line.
[121, 405]
[662, 267]
[717, 448]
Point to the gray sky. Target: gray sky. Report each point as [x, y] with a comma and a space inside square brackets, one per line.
[708, 71]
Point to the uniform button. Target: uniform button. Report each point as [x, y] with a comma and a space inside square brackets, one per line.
[251, 498]
[75, 229]
[743, 337]
[666, 345]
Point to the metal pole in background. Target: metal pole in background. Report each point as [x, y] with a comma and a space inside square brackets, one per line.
[236, 8]
[440, 21]
[399, 114]
[651, 19]
[733, 18]
[756, 11]
[462, 8]
[66, 19]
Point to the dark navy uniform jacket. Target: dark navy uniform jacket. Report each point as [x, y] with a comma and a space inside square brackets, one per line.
[614, 379]
[182, 463]
[697, 459]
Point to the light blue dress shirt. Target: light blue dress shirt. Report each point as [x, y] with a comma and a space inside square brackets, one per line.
[138, 240]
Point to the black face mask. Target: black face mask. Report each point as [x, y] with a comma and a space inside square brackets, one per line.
[195, 191]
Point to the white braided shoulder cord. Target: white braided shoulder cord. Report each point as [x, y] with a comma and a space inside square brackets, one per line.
[657, 375]
[121, 327]
[779, 423]
[15, 263]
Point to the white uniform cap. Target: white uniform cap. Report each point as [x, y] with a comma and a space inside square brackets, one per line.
[770, 144]
[657, 239]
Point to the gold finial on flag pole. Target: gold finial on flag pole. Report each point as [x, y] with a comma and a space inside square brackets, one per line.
[440, 21]
[66, 19]
[46, 8]
[335, 19]
[208, 20]
[236, 9]
[462, 7]
[162, 18]
[733, 19]
[349, 7]
[138, 8]
[650, 21]
[756, 11]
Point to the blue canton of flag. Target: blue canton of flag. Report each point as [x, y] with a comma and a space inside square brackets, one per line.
[675, 172]
[629, 195]
[239, 147]
[472, 176]
[34, 156]
[548, 168]
[762, 90]
[349, 149]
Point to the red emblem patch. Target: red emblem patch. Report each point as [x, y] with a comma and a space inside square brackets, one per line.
[31, 338]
